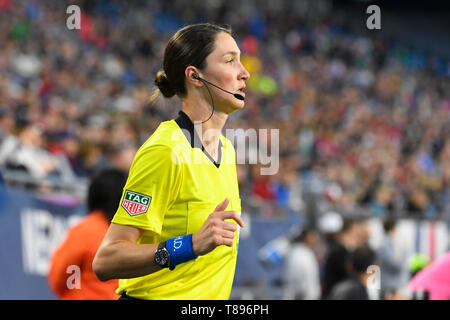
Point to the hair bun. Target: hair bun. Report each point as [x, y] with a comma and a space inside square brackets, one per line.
[162, 82]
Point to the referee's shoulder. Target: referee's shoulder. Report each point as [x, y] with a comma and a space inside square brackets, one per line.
[165, 141]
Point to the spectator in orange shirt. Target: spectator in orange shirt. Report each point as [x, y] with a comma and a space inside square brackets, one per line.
[76, 253]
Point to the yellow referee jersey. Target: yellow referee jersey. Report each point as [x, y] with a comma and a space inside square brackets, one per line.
[172, 187]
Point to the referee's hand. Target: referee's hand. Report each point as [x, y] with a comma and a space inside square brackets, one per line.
[216, 231]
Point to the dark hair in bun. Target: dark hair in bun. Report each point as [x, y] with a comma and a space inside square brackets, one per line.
[189, 46]
[164, 85]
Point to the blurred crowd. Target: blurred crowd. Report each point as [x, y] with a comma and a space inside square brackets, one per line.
[341, 263]
[366, 119]
[362, 121]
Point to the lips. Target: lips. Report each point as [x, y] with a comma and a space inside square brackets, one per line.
[241, 90]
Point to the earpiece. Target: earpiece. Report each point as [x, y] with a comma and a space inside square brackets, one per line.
[236, 95]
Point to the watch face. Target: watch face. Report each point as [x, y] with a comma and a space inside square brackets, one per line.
[162, 257]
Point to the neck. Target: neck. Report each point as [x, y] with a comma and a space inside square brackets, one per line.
[209, 131]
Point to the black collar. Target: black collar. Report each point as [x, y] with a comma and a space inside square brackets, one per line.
[187, 127]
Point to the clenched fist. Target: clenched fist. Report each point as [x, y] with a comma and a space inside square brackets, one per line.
[216, 231]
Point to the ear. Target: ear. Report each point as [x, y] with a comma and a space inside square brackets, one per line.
[191, 74]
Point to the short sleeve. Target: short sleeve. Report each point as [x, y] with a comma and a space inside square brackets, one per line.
[152, 186]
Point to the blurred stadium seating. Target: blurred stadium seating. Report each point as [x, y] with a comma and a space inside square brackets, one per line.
[364, 119]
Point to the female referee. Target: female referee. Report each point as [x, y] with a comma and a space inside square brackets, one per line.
[176, 230]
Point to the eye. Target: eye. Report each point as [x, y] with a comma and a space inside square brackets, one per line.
[231, 60]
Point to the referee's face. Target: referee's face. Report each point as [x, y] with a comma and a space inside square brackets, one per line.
[225, 69]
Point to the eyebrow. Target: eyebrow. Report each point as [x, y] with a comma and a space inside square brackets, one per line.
[234, 53]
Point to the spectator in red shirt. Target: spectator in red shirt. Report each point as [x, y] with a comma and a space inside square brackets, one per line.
[77, 251]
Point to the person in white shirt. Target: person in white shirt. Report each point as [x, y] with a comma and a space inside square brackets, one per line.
[26, 152]
[301, 275]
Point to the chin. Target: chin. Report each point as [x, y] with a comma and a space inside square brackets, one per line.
[238, 106]
[232, 106]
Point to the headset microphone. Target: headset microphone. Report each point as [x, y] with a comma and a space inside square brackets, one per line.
[236, 95]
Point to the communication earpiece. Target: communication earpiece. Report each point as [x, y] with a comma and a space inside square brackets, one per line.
[236, 95]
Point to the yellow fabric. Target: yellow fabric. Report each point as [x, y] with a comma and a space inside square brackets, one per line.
[185, 187]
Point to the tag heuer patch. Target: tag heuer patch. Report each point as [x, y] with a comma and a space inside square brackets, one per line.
[135, 203]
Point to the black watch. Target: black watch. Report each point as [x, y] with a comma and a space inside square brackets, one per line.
[162, 256]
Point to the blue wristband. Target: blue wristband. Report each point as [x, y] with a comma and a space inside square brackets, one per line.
[180, 249]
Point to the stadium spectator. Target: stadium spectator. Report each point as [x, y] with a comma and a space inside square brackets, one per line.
[355, 287]
[391, 259]
[301, 275]
[27, 153]
[337, 265]
[82, 241]
[121, 156]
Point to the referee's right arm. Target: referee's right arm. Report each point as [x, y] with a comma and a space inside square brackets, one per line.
[120, 257]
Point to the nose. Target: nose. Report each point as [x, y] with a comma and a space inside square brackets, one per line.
[245, 75]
